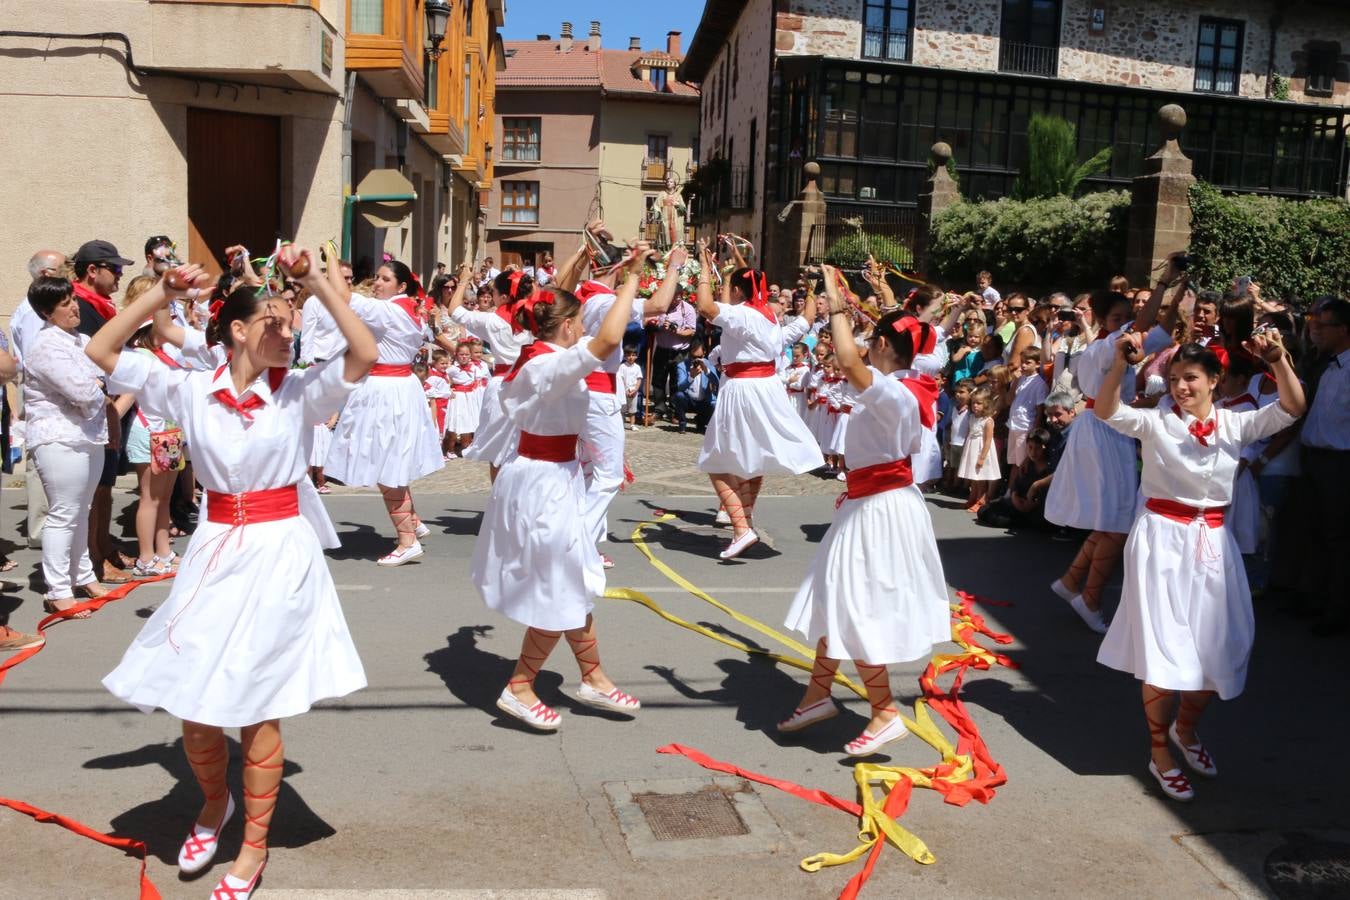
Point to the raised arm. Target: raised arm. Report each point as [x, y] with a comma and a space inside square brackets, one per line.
[1269, 347]
[105, 347]
[704, 304]
[1129, 349]
[1148, 315]
[841, 326]
[662, 297]
[362, 351]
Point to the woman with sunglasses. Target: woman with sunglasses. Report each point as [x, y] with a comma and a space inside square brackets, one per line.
[252, 630]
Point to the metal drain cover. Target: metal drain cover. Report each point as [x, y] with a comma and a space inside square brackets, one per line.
[692, 818]
[708, 813]
[1306, 868]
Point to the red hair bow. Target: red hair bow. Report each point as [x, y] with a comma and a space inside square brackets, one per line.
[1222, 354]
[924, 341]
[759, 295]
[527, 305]
[516, 276]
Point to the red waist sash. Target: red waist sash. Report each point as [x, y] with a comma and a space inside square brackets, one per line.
[464, 388]
[548, 447]
[750, 369]
[1089, 402]
[605, 382]
[500, 369]
[887, 476]
[253, 507]
[1180, 512]
[389, 370]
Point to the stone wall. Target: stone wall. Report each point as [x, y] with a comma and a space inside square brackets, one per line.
[820, 28]
[957, 34]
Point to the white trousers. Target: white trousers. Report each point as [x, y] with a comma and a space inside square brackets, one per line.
[602, 461]
[37, 502]
[69, 477]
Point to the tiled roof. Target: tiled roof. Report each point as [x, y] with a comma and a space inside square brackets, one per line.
[542, 64]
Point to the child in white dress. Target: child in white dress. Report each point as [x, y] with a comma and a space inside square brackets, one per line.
[252, 630]
[875, 592]
[979, 456]
[1185, 620]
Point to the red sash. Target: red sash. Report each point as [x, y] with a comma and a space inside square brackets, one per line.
[602, 381]
[464, 388]
[750, 369]
[548, 447]
[253, 507]
[500, 369]
[409, 306]
[440, 405]
[389, 370]
[1180, 512]
[887, 476]
[1089, 402]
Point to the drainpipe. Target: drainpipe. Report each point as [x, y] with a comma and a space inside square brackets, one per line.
[1276, 20]
[348, 101]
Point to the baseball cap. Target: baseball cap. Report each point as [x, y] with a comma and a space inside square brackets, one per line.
[159, 240]
[99, 251]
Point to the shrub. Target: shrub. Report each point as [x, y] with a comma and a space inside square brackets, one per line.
[850, 251]
[1052, 165]
[1056, 243]
[1292, 248]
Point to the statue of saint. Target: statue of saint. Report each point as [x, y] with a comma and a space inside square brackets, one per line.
[668, 211]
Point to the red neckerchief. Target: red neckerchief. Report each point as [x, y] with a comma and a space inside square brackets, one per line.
[409, 306]
[441, 372]
[925, 390]
[1201, 431]
[759, 296]
[245, 407]
[166, 358]
[591, 288]
[527, 353]
[101, 304]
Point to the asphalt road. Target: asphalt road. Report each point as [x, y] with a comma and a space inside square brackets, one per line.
[416, 787]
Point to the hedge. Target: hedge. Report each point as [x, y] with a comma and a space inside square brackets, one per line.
[1056, 243]
[850, 251]
[1292, 248]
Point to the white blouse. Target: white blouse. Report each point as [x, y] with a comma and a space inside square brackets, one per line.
[1177, 466]
[593, 313]
[63, 394]
[397, 334]
[548, 396]
[494, 331]
[748, 336]
[884, 426]
[1096, 360]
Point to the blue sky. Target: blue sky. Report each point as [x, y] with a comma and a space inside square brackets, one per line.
[618, 20]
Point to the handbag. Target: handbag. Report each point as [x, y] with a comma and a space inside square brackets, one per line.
[166, 448]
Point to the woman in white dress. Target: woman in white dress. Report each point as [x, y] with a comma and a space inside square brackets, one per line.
[754, 430]
[1185, 621]
[386, 437]
[875, 592]
[252, 630]
[1095, 485]
[535, 560]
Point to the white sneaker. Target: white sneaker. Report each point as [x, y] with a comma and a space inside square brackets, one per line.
[1091, 617]
[421, 531]
[538, 716]
[722, 517]
[842, 476]
[1061, 591]
[401, 555]
[866, 743]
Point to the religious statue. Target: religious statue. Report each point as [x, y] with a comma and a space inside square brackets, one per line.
[668, 211]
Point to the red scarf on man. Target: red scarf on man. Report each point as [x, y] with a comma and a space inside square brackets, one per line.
[101, 304]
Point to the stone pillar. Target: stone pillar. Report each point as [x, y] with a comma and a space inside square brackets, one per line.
[941, 193]
[1160, 206]
[789, 238]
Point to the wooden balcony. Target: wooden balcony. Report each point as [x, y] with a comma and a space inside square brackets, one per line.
[384, 44]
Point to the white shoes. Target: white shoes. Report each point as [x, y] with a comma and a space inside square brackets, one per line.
[866, 743]
[1061, 591]
[200, 847]
[538, 716]
[231, 888]
[606, 561]
[1174, 783]
[722, 517]
[1091, 617]
[401, 555]
[421, 531]
[1197, 757]
[805, 716]
[614, 701]
[740, 545]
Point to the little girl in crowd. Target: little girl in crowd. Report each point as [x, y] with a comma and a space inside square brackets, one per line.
[462, 417]
[979, 459]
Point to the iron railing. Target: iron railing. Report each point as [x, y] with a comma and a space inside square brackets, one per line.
[883, 43]
[852, 231]
[1028, 59]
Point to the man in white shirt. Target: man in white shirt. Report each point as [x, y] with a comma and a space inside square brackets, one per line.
[23, 328]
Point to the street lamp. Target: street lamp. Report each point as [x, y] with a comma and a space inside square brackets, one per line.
[438, 19]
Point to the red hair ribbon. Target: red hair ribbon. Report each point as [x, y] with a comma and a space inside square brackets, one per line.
[516, 276]
[759, 295]
[1222, 354]
[528, 305]
[923, 342]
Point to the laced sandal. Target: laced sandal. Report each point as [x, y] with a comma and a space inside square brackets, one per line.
[867, 743]
[200, 847]
[51, 607]
[539, 716]
[606, 562]
[231, 888]
[1197, 757]
[1173, 782]
[806, 716]
[614, 700]
[400, 555]
[740, 545]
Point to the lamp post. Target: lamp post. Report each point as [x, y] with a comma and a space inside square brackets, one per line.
[438, 19]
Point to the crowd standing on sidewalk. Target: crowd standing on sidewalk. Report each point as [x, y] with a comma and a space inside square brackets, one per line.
[1198, 438]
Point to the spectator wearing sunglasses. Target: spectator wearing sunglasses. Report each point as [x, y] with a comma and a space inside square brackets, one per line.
[1023, 334]
[161, 255]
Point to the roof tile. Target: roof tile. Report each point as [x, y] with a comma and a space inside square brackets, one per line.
[542, 64]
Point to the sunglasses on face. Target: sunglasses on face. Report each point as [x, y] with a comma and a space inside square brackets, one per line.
[1017, 309]
[116, 270]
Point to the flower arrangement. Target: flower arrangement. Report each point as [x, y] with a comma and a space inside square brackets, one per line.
[655, 272]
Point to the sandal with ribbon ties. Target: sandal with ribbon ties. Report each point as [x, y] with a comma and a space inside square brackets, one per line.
[200, 847]
[231, 888]
[400, 555]
[805, 716]
[537, 716]
[1197, 757]
[740, 545]
[1173, 782]
[867, 744]
[614, 701]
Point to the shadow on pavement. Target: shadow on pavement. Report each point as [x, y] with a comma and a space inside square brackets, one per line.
[476, 676]
[164, 823]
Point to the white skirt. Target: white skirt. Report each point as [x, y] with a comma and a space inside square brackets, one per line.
[323, 442]
[821, 424]
[875, 589]
[385, 436]
[928, 461]
[754, 431]
[1244, 513]
[461, 416]
[534, 560]
[496, 439]
[259, 632]
[838, 434]
[1185, 619]
[970, 468]
[1096, 483]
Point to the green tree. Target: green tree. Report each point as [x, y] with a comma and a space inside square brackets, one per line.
[1052, 166]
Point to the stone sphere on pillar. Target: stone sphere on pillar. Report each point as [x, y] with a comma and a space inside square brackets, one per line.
[811, 170]
[1171, 119]
[941, 152]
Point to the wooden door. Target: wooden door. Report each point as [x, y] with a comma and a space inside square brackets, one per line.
[234, 184]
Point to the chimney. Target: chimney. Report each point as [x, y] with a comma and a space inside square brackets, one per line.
[673, 43]
[565, 42]
[542, 37]
[635, 43]
[593, 42]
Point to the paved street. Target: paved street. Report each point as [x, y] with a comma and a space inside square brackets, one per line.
[416, 788]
